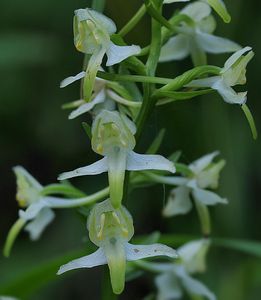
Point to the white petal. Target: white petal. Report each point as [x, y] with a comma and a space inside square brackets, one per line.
[21, 171]
[228, 94]
[203, 162]
[207, 197]
[37, 226]
[173, 1]
[135, 252]
[233, 58]
[95, 259]
[88, 106]
[179, 202]
[215, 44]
[197, 10]
[176, 48]
[72, 79]
[116, 54]
[168, 287]
[32, 210]
[136, 162]
[103, 21]
[192, 285]
[98, 167]
[204, 82]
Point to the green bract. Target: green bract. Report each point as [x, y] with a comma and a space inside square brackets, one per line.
[233, 73]
[92, 31]
[113, 137]
[196, 39]
[110, 229]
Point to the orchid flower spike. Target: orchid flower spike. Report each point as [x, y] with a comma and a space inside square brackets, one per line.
[204, 175]
[111, 229]
[92, 31]
[233, 73]
[196, 39]
[176, 277]
[113, 137]
[105, 96]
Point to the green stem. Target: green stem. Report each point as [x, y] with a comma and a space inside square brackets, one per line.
[204, 217]
[133, 21]
[134, 78]
[250, 120]
[12, 234]
[98, 5]
[151, 65]
[185, 78]
[82, 201]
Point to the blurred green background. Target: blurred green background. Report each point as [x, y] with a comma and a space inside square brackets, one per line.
[36, 53]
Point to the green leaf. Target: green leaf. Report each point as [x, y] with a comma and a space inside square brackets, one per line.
[245, 246]
[154, 147]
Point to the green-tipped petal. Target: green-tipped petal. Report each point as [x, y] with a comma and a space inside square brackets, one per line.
[117, 161]
[234, 58]
[203, 162]
[220, 8]
[91, 72]
[115, 253]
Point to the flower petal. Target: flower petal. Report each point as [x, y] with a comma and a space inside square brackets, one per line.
[197, 10]
[94, 65]
[32, 210]
[21, 172]
[117, 160]
[192, 285]
[215, 44]
[135, 252]
[72, 79]
[173, 1]
[233, 58]
[116, 54]
[37, 226]
[220, 8]
[88, 106]
[179, 202]
[97, 258]
[168, 287]
[200, 164]
[176, 48]
[136, 162]
[207, 197]
[228, 94]
[98, 167]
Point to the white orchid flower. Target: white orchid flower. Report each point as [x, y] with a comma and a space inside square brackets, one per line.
[104, 96]
[196, 39]
[92, 31]
[38, 207]
[111, 229]
[233, 73]
[205, 175]
[113, 137]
